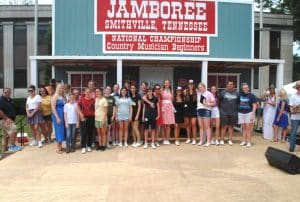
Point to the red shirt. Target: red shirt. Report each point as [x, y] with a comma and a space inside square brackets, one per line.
[87, 106]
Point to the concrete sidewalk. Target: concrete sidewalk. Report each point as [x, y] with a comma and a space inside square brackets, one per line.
[169, 173]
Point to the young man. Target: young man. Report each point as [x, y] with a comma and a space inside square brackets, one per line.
[7, 117]
[295, 115]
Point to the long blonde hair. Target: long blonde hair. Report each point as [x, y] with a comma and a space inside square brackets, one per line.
[282, 94]
[57, 90]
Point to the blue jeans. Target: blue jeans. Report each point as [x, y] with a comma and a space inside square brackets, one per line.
[295, 124]
[71, 136]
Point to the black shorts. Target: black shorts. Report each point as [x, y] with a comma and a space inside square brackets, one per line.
[150, 124]
[109, 120]
[47, 118]
[230, 120]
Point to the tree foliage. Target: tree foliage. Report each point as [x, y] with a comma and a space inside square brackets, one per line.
[16, 2]
[291, 7]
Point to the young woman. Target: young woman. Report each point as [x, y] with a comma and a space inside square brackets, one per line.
[86, 106]
[246, 113]
[115, 125]
[215, 116]
[159, 121]
[46, 126]
[136, 111]
[167, 109]
[111, 113]
[71, 122]
[101, 106]
[190, 112]
[150, 116]
[205, 102]
[269, 98]
[57, 105]
[124, 115]
[179, 118]
[281, 119]
[34, 115]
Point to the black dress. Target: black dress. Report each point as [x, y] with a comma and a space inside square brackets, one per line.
[190, 106]
[179, 116]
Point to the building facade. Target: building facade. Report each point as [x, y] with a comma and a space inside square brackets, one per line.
[226, 50]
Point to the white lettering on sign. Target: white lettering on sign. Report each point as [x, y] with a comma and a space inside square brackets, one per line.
[174, 10]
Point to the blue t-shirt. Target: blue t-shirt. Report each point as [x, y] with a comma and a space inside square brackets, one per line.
[246, 103]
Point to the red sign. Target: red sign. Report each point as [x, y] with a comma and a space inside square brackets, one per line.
[189, 17]
[165, 44]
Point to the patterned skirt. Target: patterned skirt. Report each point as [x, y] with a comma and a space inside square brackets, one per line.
[36, 118]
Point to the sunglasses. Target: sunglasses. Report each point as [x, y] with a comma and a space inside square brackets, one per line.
[30, 90]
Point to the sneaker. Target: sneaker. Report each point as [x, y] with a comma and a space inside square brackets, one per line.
[33, 143]
[217, 142]
[243, 143]
[177, 143]
[188, 141]
[207, 144]
[145, 146]
[168, 142]
[133, 144]
[40, 144]
[83, 150]
[125, 144]
[249, 144]
[14, 148]
[153, 146]
[156, 144]
[165, 142]
[89, 149]
[230, 142]
[138, 144]
[120, 144]
[114, 143]
[108, 146]
[193, 142]
[212, 142]
[200, 143]
[222, 142]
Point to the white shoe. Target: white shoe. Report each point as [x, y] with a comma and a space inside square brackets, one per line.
[108, 146]
[193, 142]
[40, 144]
[120, 144]
[138, 144]
[125, 144]
[230, 142]
[212, 142]
[207, 144]
[165, 142]
[222, 142]
[133, 144]
[33, 143]
[217, 142]
[145, 146]
[114, 143]
[188, 141]
[83, 150]
[156, 144]
[153, 146]
[200, 143]
[249, 144]
[177, 143]
[243, 143]
[89, 149]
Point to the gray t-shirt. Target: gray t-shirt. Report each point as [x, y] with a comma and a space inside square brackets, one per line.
[228, 102]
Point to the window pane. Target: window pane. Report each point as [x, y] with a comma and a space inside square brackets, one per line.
[20, 56]
[75, 80]
[222, 80]
[85, 79]
[98, 78]
[1, 59]
[211, 81]
[256, 78]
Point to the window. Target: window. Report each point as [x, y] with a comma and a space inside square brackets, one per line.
[43, 50]
[20, 56]
[255, 76]
[220, 80]
[275, 45]
[80, 80]
[256, 43]
[1, 59]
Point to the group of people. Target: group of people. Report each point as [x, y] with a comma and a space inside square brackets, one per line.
[104, 116]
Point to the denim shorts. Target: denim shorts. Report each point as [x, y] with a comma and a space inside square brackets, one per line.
[203, 113]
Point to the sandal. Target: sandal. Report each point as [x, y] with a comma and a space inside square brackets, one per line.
[275, 140]
[59, 151]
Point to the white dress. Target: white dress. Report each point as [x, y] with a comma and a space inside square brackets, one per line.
[268, 118]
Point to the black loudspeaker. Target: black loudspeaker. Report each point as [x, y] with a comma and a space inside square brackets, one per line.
[283, 160]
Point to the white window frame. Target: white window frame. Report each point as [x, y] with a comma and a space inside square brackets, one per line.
[87, 72]
[226, 74]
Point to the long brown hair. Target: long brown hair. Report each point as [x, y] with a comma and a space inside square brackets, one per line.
[188, 93]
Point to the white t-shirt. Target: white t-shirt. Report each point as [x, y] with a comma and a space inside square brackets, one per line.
[295, 101]
[32, 103]
[204, 98]
[70, 110]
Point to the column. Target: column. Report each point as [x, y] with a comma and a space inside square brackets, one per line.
[53, 71]
[279, 76]
[30, 47]
[8, 46]
[286, 53]
[204, 72]
[33, 72]
[119, 72]
[264, 71]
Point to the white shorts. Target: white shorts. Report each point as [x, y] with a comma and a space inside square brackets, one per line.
[245, 118]
[215, 112]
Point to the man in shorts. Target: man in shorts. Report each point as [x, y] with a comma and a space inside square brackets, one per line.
[7, 117]
[228, 100]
